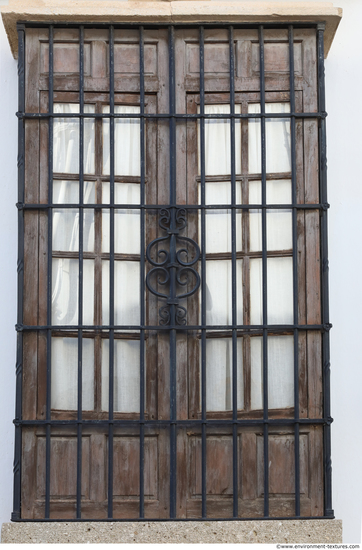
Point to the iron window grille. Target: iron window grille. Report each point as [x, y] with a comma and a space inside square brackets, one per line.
[173, 218]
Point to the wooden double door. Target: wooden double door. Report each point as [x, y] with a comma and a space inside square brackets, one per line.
[89, 235]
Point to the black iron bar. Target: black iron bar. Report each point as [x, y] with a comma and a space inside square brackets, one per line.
[264, 270]
[172, 293]
[190, 422]
[203, 274]
[16, 514]
[295, 272]
[180, 520]
[328, 510]
[249, 329]
[111, 276]
[80, 278]
[116, 206]
[317, 115]
[49, 275]
[233, 272]
[142, 276]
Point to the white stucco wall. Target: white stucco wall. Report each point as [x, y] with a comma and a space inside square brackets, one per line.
[8, 259]
[344, 84]
[344, 98]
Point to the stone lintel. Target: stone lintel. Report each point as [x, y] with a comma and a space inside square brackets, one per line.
[272, 532]
[165, 11]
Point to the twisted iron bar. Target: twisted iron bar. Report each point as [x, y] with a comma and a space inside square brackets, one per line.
[172, 266]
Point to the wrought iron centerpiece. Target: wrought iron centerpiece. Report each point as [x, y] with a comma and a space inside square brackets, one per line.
[172, 269]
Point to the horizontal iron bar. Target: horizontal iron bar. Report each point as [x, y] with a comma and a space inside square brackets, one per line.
[167, 116]
[140, 520]
[93, 206]
[165, 423]
[211, 328]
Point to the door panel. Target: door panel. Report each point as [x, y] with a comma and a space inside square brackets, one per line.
[133, 440]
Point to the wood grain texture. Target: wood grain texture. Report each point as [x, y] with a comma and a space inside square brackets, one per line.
[219, 442]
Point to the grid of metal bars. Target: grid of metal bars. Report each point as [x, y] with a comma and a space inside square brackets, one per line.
[173, 327]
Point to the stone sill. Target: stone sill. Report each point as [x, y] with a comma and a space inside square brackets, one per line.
[176, 11]
[235, 532]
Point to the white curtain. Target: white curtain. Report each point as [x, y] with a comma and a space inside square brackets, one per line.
[279, 291]
[126, 292]
[277, 139]
[280, 372]
[219, 374]
[66, 140]
[127, 158]
[218, 142]
[65, 280]
[219, 292]
[126, 222]
[126, 375]
[218, 222]
[66, 221]
[64, 374]
[65, 271]
[279, 270]
[278, 222]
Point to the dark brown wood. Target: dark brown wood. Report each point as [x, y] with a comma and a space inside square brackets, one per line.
[219, 450]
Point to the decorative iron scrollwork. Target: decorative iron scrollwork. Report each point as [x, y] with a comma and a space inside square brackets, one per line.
[173, 266]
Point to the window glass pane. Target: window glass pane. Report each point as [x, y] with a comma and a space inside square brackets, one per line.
[126, 375]
[217, 142]
[66, 221]
[65, 274]
[280, 372]
[280, 291]
[278, 222]
[218, 222]
[277, 139]
[67, 192]
[66, 230]
[66, 140]
[64, 374]
[127, 156]
[219, 374]
[219, 292]
[126, 293]
[126, 222]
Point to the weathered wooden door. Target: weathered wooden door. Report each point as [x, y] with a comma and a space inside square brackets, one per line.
[144, 383]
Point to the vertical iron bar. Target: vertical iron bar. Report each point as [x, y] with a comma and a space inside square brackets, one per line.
[328, 510]
[142, 276]
[295, 270]
[233, 273]
[80, 280]
[264, 270]
[16, 514]
[173, 409]
[49, 282]
[203, 275]
[111, 275]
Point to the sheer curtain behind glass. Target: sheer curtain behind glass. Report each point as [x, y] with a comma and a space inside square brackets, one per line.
[279, 262]
[218, 226]
[65, 270]
[65, 262]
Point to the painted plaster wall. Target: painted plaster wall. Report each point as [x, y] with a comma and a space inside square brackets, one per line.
[344, 85]
[8, 259]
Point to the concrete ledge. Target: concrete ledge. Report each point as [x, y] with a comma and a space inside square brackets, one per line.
[190, 11]
[272, 532]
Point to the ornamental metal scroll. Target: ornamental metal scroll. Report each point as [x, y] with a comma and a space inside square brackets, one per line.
[172, 269]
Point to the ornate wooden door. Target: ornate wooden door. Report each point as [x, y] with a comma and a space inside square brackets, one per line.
[172, 356]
